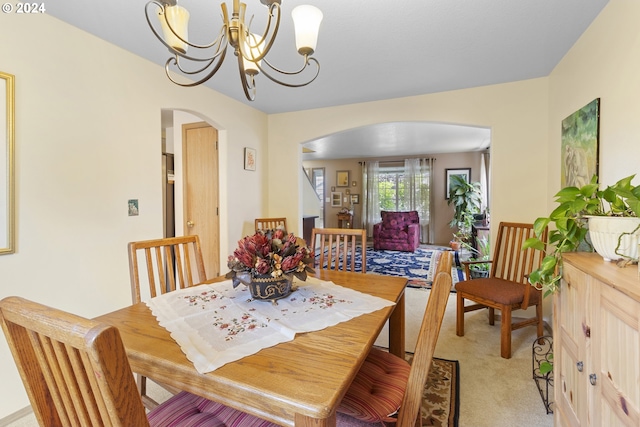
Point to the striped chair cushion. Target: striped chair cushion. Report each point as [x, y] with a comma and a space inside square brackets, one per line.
[187, 410]
[376, 392]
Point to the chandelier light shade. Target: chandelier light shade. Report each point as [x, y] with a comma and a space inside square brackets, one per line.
[175, 21]
[191, 64]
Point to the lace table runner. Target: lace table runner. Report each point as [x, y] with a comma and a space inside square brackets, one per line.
[215, 324]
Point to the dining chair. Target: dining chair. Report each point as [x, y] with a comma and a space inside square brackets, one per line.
[171, 263]
[388, 386]
[507, 288]
[270, 223]
[337, 248]
[76, 372]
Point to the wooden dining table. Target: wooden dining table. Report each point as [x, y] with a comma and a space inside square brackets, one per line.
[299, 382]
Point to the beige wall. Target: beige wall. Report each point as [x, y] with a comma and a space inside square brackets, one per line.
[88, 139]
[516, 113]
[605, 64]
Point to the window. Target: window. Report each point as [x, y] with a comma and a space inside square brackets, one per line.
[391, 188]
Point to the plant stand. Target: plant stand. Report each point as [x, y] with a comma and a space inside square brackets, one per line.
[542, 352]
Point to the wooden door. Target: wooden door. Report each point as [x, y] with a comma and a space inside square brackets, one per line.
[201, 215]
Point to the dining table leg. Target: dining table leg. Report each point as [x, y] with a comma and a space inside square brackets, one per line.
[304, 421]
[396, 329]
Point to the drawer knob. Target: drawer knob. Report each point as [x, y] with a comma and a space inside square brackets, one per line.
[592, 379]
[580, 366]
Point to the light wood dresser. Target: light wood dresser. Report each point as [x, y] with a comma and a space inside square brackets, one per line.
[596, 317]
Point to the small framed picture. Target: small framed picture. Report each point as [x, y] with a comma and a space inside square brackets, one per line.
[355, 199]
[336, 199]
[249, 159]
[464, 173]
[342, 178]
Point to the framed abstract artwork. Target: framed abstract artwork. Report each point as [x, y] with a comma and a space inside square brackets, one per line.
[465, 173]
[579, 150]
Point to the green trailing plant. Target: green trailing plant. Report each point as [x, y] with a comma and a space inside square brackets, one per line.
[465, 198]
[570, 227]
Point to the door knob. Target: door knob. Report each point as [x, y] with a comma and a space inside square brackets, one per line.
[190, 224]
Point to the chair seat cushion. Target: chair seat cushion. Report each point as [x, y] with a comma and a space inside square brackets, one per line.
[376, 392]
[188, 410]
[498, 290]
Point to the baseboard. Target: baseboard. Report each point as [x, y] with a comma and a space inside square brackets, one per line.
[12, 418]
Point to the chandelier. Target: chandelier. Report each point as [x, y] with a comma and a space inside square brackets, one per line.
[249, 48]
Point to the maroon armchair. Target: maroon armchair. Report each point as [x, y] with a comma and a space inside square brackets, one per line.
[398, 231]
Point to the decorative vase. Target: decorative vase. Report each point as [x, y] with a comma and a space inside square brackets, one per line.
[609, 233]
[268, 288]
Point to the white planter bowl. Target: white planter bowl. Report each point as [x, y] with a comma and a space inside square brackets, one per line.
[604, 232]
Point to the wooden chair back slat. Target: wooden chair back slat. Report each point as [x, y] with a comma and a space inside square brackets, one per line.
[338, 247]
[445, 263]
[270, 223]
[510, 261]
[172, 263]
[75, 370]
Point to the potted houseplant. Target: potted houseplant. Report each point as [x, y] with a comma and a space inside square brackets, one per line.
[577, 220]
[479, 262]
[465, 198]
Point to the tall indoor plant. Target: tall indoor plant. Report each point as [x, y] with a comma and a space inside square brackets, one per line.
[465, 198]
[571, 220]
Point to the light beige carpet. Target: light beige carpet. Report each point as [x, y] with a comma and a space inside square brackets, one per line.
[494, 392]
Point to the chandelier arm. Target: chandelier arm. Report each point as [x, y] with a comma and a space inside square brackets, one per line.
[215, 69]
[266, 38]
[291, 73]
[246, 85]
[217, 41]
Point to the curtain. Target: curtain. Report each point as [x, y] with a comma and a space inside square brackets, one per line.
[370, 179]
[417, 194]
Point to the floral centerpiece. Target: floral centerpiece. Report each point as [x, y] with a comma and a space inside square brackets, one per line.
[267, 262]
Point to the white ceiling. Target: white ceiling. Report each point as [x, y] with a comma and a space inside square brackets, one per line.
[371, 50]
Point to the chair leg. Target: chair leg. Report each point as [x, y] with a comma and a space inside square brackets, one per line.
[492, 316]
[148, 402]
[460, 315]
[505, 333]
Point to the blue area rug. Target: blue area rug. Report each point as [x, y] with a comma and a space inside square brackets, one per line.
[418, 267]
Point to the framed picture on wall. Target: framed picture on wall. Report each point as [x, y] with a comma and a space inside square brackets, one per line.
[465, 173]
[355, 199]
[336, 199]
[249, 159]
[342, 178]
[580, 134]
